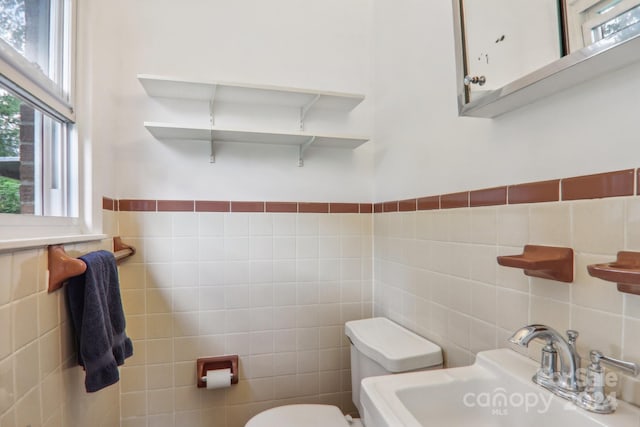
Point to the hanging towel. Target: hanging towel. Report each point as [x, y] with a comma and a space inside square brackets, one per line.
[98, 320]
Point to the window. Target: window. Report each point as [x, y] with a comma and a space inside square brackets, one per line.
[36, 109]
[616, 24]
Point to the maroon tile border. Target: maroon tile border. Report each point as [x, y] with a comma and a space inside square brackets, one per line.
[108, 204]
[366, 207]
[390, 206]
[488, 197]
[429, 203]
[535, 192]
[610, 184]
[408, 205]
[137, 205]
[281, 207]
[454, 200]
[212, 206]
[344, 208]
[176, 205]
[313, 207]
[247, 206]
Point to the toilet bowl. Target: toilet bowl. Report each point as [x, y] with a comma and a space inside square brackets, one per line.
[378, 347]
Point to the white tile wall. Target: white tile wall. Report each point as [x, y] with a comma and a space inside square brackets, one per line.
[40, 382]
[467, 303]
[275, 289]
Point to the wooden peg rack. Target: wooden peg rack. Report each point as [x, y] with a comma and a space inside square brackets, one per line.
[62, 267]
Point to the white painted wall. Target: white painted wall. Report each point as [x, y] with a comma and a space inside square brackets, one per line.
[96, 107]
[423, 147]
[321, 45]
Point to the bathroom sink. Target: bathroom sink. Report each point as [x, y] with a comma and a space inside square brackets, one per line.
[495, 391]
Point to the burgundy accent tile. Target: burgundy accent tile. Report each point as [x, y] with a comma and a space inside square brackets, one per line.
[116, 205]
[137, 205]
[212, 206]
[488, 197]
[108, 204]
[366, 207]
[378, 208]
[313, 207]
[610, 184]
[247, 206]
[535, 192]
[407, 205]
[429, 203]
[344, 208]
[176, 205]
[390, 206]
[282, 207]
[454, 200]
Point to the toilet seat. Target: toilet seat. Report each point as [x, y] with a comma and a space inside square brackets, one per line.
[300, 416]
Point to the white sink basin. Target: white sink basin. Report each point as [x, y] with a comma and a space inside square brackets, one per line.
[495, 391]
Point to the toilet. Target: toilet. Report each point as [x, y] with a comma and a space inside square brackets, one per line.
[378, 347]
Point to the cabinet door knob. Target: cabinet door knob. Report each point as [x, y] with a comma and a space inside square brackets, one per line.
[481, 80]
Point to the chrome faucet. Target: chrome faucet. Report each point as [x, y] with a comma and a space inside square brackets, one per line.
[564, 383]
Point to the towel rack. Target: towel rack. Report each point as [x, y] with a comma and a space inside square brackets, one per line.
[62, 267]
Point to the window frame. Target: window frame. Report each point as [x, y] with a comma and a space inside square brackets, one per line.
[22, 78]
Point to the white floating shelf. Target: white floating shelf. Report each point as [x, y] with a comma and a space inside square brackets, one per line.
[168, 131]
[240, 93]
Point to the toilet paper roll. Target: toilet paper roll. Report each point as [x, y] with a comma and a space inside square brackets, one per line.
[219, 378]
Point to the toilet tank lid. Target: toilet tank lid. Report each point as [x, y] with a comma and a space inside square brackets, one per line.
[395, 348]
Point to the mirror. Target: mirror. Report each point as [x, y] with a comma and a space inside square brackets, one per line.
[512, 52]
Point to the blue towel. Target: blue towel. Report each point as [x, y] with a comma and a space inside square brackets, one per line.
[98, 320]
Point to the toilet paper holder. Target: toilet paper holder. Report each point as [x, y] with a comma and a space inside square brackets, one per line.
[205, 364]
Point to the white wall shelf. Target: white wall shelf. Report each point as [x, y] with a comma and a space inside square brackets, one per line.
[236, 93]
[240, 93]
[173, 132]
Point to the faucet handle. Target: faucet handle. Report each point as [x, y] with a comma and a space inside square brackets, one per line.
[597, 357]
[573, 336]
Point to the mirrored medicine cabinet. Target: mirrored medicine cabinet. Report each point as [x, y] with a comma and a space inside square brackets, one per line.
[510, 53]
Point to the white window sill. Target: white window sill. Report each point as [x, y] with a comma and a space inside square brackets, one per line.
[35, 242]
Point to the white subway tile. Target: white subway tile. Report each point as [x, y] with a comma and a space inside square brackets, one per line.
[211, 224]
[8, 394]
[550, 224]
[598, 226]
[588, 291]
[24, 276]
[484, 228]
[261, 224]
[185, 224]
[284, 224]
[25, 321]
[236, 225]
[158, 224]
[598, 331]
[512, 309]
[550, 312]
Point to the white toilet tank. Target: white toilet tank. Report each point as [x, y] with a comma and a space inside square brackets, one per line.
[382, 347]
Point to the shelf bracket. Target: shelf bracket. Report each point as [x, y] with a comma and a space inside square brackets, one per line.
[211, 102]
[212, 158]
[303, 147]
[305, 109]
